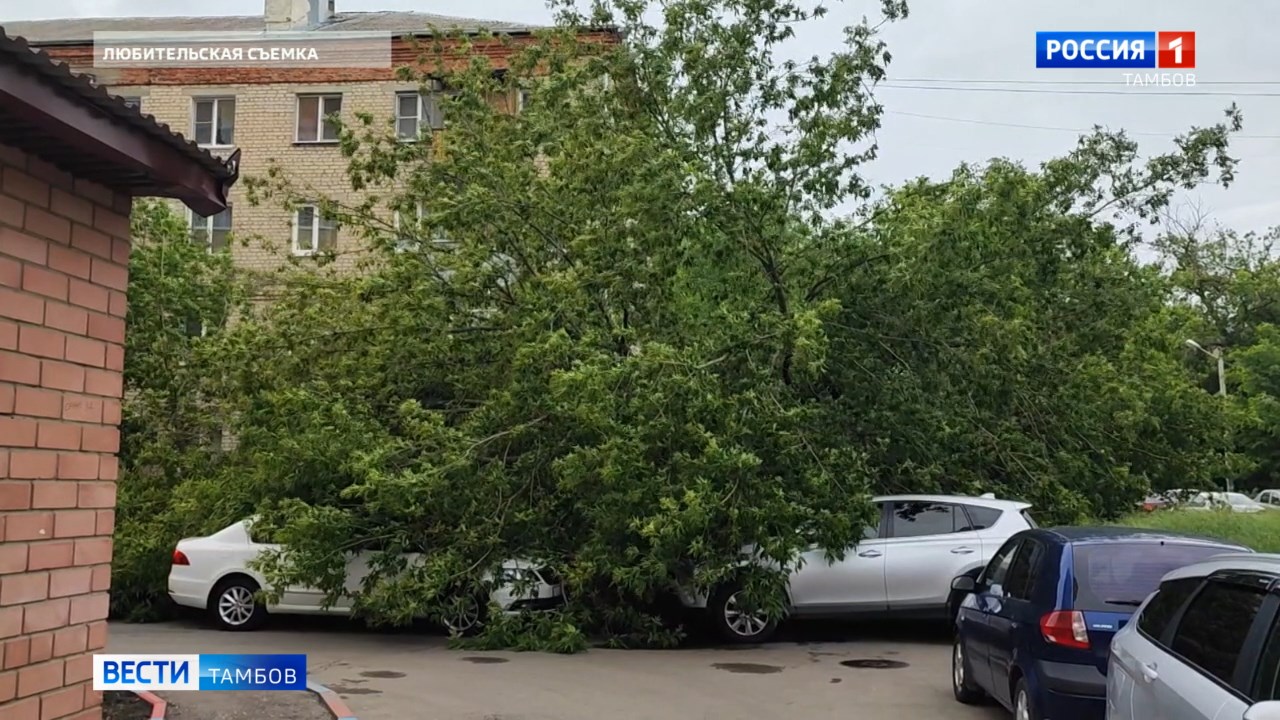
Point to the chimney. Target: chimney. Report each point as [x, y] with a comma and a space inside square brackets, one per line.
[296, 14]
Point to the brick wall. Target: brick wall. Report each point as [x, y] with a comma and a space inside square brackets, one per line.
[64, 250]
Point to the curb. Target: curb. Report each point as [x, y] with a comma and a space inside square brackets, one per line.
[337, 706]
[158, 706]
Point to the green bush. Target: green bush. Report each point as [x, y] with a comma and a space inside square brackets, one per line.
[1260, 531]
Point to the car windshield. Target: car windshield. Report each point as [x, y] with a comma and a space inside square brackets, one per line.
[1118, 576]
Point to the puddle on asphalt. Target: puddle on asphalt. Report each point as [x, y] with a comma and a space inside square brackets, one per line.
[836, 681]
[353, 681]
[482, 660]
[747, 668]
[382, 674]
[874, 664]
[344, 690]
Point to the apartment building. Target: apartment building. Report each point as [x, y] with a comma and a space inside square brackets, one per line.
[277, 113]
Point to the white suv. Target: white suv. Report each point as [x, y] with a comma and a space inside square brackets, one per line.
[904, 565]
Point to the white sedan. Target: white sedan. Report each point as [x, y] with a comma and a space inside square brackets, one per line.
[1233, 501]
[213, 574]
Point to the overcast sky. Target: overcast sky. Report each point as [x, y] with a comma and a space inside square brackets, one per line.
[956, 42]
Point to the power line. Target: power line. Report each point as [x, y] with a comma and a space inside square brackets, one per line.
[971, 81]
[1043, 91]
[996, 123]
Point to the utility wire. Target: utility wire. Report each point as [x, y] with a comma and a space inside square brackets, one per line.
[1044, 91]
[972, 81]
[995, 123]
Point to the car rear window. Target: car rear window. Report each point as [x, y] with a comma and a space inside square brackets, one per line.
[1118, 576]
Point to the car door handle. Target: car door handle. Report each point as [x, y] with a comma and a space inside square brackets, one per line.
[869, 554]
[962, 551]
[1149, 672]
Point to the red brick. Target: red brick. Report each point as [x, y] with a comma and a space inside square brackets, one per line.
[93, 551]
[58, 435]
[106, 327]
[62, 376]
[70, 640]
[33, 465]
[28, 526]
[54, 494]
[69, 261]
[115, 353]
[41, 647]
[71, 581]
[49, 173]
[97, 495]
[101, 579]
[110, 412]
[21, 306]
[10, 621]
[77, 466]
[120, 251]
[82, 408]
[94, 192]
[79, 669]
[119, 304]
[13, 558]
[109, 467]
[74, 523]
[86, 608]
[92, 699]
[67, 318]
[103, 382]
[37, 403]
[91, 241]
[8, 397]
[111, 222]
[97, 635]
[42, 342]
[47, 615]
[55, 554]
[24, 588]
[35, 679]
[62, 703]
[4, 473]
[27, 709]
[88, 295]
[100, 438]
[15, 495]
[25, 188]
[10, 271]
[10, 155]
[110, 274]
[85, 351]
[47, 225]
[17, 653]
[23, 246]
[9, 689]
[12, 210]
[70, 206]
[17, 432]
[9, 336]
[44, 282]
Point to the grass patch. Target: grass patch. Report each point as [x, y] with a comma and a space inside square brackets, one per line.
[1260, 531]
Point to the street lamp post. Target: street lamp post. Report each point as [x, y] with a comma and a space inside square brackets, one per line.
[1216, 354]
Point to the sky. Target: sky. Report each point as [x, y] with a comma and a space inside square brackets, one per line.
[939, 113]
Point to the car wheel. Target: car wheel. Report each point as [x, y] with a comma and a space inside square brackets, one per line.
[733, 623]
[1024, 708]
[234, 605]
[466, 616]
[962, 685]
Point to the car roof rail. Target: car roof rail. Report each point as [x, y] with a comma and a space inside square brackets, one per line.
[987, 496]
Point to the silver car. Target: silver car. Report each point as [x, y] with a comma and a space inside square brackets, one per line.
[904, 565]
[1204, 646]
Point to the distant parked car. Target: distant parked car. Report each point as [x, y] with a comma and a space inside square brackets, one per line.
[1233, 501]
[1034, 629]
[1269, 498]
[1205, 646]
[212, 573]
[903, 565]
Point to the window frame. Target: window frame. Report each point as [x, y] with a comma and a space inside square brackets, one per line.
[321, 124]
[217, 101]
[317, 223]
[423, 118]
[209, 228]
[1014, 545]
[956, 508]
[1175, 618]
[1029, 545]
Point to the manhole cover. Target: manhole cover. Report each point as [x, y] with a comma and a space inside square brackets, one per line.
[873, 664]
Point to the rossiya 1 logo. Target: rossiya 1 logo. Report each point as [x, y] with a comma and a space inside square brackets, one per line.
[1156, 50]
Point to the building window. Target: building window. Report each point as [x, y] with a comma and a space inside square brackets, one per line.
[314, 124]
[132, 101]
[313, 232]
[211, 231]
[523, 98]
[215, 121]
[417, 111]
[409, 234]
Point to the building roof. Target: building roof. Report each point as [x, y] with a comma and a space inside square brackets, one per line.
[80, 30]
[36, 88]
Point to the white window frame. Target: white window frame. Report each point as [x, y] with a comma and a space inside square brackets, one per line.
[217, 101]
[321, 124]
[523, 97]
[433, 95]
[319, 221]
[195, 221]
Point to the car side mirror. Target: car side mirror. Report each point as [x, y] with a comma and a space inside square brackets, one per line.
[1266, 710]
[964, 583]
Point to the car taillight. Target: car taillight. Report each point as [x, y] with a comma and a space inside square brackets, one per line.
[1065, 628]
[180, 558]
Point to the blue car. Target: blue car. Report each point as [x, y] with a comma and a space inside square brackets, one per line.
[1034, 628]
